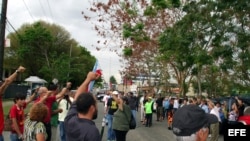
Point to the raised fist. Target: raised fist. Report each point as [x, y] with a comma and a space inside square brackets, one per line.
[21, 69]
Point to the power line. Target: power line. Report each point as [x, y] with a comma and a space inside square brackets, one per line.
[50, 10]
[12, 27]
[28, 10]
[7, 28]
[43, 10]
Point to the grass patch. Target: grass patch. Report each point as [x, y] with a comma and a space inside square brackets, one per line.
[8, 103]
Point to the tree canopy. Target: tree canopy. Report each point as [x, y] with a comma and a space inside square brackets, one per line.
[48, 51]
[204, 42]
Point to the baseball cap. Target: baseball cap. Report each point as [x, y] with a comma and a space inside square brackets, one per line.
[191, 118]
[115, 92]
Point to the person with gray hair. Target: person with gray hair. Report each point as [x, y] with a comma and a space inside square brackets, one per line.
[42, 92]
[190, 123]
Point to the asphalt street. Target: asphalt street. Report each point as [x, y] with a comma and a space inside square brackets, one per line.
[157, 132]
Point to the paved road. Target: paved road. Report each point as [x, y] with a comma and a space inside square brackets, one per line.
[157, 132]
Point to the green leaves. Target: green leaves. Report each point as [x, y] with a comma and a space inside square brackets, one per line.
[211, 33]
[150, 11]
[127, 52]
[46, 50]
[135, 33]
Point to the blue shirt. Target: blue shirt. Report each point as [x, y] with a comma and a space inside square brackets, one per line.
[204, 107]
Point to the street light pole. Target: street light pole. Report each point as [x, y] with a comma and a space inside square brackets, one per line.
[2, 34]
[70, 54]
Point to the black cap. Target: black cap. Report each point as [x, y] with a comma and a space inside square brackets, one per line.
[191, 118]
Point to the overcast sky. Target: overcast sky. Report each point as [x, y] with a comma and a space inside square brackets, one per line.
[66, 13]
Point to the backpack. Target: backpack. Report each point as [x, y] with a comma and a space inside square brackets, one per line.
[132, 122]
[7, 123]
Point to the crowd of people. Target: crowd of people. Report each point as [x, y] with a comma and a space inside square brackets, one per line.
[118, 108]
[189, 118]
[172, 110]
[51, 107]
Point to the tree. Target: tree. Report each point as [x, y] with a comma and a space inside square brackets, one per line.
[195, 37]
[131, 28]
[209, 36]
[47, 51]
[112, 80]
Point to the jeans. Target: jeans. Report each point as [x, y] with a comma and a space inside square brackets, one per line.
[134, 114]
[55, 133]
[111, 133]
[174, 110]
[62, 131]
[142, 113]
[14, 137]
[1, 138]
[165, 113]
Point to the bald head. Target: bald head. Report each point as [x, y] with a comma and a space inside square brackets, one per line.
[42, 91]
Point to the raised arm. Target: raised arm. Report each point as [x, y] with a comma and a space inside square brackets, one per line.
[64, 90]
[10, 79]
[31, 98]
[84, 86]
[115, 97]
[119, 101]
[43, 98]
[61, 93]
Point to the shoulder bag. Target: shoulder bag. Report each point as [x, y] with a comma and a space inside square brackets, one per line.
[7, 123]
[132, 122]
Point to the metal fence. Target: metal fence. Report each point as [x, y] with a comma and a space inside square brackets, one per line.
[13, 89]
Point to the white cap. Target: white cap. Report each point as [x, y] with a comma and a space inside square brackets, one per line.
[115, 92]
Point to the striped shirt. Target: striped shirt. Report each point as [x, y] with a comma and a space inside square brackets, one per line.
[31, 128]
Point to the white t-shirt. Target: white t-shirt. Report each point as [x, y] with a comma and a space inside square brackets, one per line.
[215, 111]
[105, 100]
[63, 105]
[141, 101]
[176, 104]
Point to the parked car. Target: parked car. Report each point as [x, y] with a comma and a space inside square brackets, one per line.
[100, 96]
[243, 120]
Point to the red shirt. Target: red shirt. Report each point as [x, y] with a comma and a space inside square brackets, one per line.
[48, 102]
[18, 113]
[245, 118]
[1, 116]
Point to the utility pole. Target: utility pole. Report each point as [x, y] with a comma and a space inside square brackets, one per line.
[2, 35]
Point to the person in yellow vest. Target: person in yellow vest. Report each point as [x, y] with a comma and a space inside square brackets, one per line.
[149, 111]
